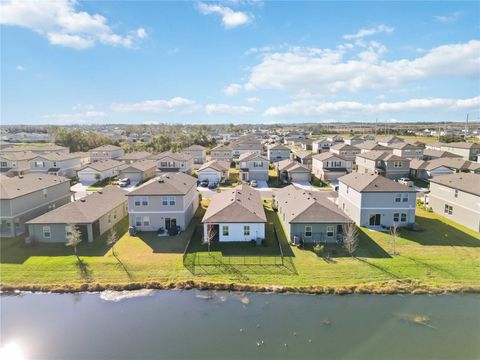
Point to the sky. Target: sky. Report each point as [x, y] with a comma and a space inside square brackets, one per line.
[70, 62]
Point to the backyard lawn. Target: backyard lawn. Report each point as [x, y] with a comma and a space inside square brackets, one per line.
[443, 254]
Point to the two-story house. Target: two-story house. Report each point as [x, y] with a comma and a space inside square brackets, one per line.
[278, 152]
[372, 146]
[93, 215]
[469, 151]
[304, 157]
[309, 216]
[390, 140]
[329, 167]
[56, 164]
[253, 167]
[106, 152]
[321, 145]
[457, 197]
[16, 163]
[37, 149]
[406, 150]
[241, 148]
[166, 202]
[349, 152]
[432, 154]
[134, 156]
[374, 201]
[358, 139]
[424, 170]
[27, 196]
[173, 162]
[221, 152]
[383, 163]
[197, 152]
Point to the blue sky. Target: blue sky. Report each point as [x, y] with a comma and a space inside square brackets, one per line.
[70, 62]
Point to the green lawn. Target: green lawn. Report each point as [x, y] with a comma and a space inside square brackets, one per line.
[443, 254]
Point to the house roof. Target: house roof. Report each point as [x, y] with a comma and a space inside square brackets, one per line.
[222, 148]
[372, 183]
[217, 165]
[106, 148]
[51, 147]
[18, 156]
[167, 184]
[343, 146]
[304, 154]
[371, 145]
[467, 182]
[240, 205]
[85, 210]
[56, 156]
[404, 146]
[246, 146]
[250, 156]
[195, 147]
[452, 163]
[439, 153]
[142, 165]
[292, 166]
[13, 187]
[309, 206]
[381, 155]
[462, 145]
[176, 156]
[390, 139]
[136, 155]
[102, 165]
[327, 155]
[279, 147]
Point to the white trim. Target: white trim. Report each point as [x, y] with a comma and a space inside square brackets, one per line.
[156, 212]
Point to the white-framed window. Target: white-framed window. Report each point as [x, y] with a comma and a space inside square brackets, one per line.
[45, 193]
[246, 230]
[146, 221]
[68, 231]
[225, 230]
[115, 214]
[144, 200]
[138, 221]
[396, 217]
[348, 189]
[398, 198]
[405, 198]
[397, 164]
[456, 193]
[403, 217]
[164, 200]
[308, 231]
[17, 222]
[330, 230]
[46, 232]
[171, 200]
[39, 164]
[448, 209]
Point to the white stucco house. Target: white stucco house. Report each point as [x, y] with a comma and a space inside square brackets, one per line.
[99, 170]
[214, 171]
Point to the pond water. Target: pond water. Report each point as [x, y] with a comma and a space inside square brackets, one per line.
[222, 325]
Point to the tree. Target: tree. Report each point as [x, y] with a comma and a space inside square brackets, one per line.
[74, 239]
[394, 232]
[211, 234]
[350, 241]
[112, 238]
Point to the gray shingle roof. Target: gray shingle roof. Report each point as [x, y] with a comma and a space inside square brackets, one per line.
[176, 156]
[462, 181]
[142, 165]
[136, 155]
[167, 184]
[217, 165]
[106, 148]
[328, 155]
[371, 145]
[12, 187]
[381, 155]
[250, 156]
[372, 183]
[195, 147]
[102, 165]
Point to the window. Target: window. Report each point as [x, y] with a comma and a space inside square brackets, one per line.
[144, 201]
[68, 231]
[258, 164]
[448, 209]
[146, 221]
[308, 231]
[115, 214]
[163, 164]
[3, 164]
[403, 217]
[138, 221]
[171, 200]
[330, 231]
[397, 164]
[456, 193]
[164, 200]
[396, 217]
[348, 188]
[225, 230]
[405, 198]
[246, 230]
[398, 198]
[46, 232]
[138, 201]
[39, 164]
[45, 193]
[17, 223]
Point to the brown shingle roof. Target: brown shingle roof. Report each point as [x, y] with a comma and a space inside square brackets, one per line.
[102, 165]
[195, 147]
[56, 156]
[240, 205]
[167, 184]
[292, 166]
[50, 147]
[175, 156]
[217, 165]
[342, 146]
[380, 155]
[142, 165]
[439, 153]
[18, 156]
[371, 145]
[327, 155]
[462, 145]
[279, 147]
[250, 156]
[136, 155]
[12, 187]
[304, 154]
[372, 183]
[462, 181]
[452, 163]
[106, 148]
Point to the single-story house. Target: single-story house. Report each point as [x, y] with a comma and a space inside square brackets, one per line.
[99, 170]
[135, 156]
[292, 171]
[106, 152]
[214, 171]
[421, 169]
[139, 171]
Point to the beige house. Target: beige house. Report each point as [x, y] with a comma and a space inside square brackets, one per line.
[135, 156]
[173, 162]
[214, 171]
[304, 157]
[372, 146]
[99, 170]
[383, 163]
[16, 163]
[322, 145]
[37, 149]
[56, 164]
[407, 150]
[289, 171]
[106, 152]
[166, 203]
[421, 169]
[457, 197]
[93, 215]
[329, 167]
[349, 152]
[390, 140]
[469, 151]
[253, 167]
[432, 154]
[240, 148]
[27, 196]
[221, 152]
[139, 171]
[198, 152]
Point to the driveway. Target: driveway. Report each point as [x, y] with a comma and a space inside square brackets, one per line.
[79, 190]
[206, 192]
[305, 185]
[131, 186]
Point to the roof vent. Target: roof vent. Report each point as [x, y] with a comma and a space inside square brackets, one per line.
[82, 200]
[100, 192]
[161, 181]
[20, 176]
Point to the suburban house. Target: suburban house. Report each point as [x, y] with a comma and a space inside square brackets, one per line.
[93, 215]
[292, 171]
[383, 163]
[457, 197]
[173, 162]
[373, 200]
[197, 152]
[329, 166]
[253, 167]
[139, 171]
[469, 151]
[321, 145]
[221, 152]
[235, 215]
[349, 152]
[106, 152]
[432, 154]
[239, 149]
[407, 150]
[358, 139]
[304, 144]
[278, 153]
[16, 163]
[214, 171]
[37, 149]
[84, 157]
[372, 146]
[390, 140]
[304, 157]
[56, 164]
[27, 196]
[132, 157]
[309, 216]
[335, 138]
[99, 170]
[421, 169]
[166, 203]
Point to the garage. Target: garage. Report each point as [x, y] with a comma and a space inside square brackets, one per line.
[134, 176]
[210, 175]
[87, 176]
[299, 176]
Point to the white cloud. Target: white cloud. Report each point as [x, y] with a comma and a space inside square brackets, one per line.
[232, 89]
[20, 68]
[316, 108]
[62, 24]
[225, 109]
[157, 106]
[253, 100]
[75, 117]
[331, 71]
[230, 18]
[449, 18]
[360, 34]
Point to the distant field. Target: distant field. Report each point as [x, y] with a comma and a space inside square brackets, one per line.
[31, 143]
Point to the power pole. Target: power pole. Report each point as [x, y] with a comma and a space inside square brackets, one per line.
[376, 121]
[466, 129]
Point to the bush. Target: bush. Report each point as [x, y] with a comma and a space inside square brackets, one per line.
[318, 249]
